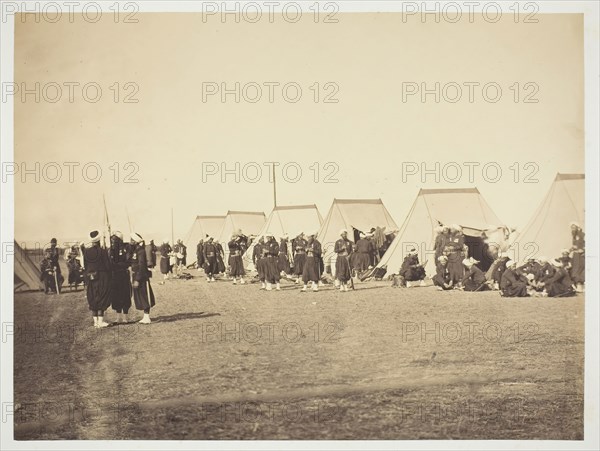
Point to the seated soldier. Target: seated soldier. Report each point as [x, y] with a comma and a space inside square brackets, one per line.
[474, 279]
[494, 274]
[442, 279]
[559, 285]
[513, 282]
[411, 270]
[545, 272]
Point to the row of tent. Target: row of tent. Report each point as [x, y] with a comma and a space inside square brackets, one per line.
[547, 233]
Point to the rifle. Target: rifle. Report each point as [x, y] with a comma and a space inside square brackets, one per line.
[56, 281]
[106, 220]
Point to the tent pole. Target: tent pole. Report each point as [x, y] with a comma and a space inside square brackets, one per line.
[274, 188]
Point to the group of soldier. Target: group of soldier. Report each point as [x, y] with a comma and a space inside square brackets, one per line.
[172, 259]
[111, 275]
[299, 259]
[556, 277]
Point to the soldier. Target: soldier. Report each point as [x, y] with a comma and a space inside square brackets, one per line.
[165, 256]
[474, 278]
[283, 263]
[75, 268]
[55, 256]
[411, 270]
[299, 249]
[47, 272]
[210, 259]
[312, 266]
[98, 274]
[442, 279]
[271, 267]
[559, 285]
[220, 257]
[513, 283]
[578, 259]
[544, 272]
[143, 296]
[454, 250]
[440, 243]
[257, 260]
[151, 254]
[343, 248]
[200, 254]
[120, 296]
[236, 265]
[364, 249]
[183, 252]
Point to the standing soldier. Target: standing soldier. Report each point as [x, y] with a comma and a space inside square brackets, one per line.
[243, 240]
[120, 296]
[454, 250]
[165, 255]
[299, 248]
[257, 259]
[183, 252]
[283, 264]
[220, 257]
[364, 248]
[271, 265]
[343, 248]
[210, 259]
[47, 273]
[151, 254]
[578, 259]
[312, 266]
[440, 243]
[54, 257]
[143, 296]
[200, 254]
[180, 253]
[236, 265]
[98, 274]
[74, 267]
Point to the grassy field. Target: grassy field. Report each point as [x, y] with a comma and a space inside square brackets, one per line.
[231, 362]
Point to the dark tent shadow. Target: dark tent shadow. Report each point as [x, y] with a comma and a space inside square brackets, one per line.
[183, 316]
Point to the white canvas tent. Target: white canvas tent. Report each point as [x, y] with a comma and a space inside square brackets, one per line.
[27, 274]
[349, 214]
[434, 207]
[202, 226]
[548, 232]
[249, 222]
[290, 220]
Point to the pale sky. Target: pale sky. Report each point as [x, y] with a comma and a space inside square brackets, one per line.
[368, 134]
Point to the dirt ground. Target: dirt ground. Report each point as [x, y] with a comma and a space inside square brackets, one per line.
[232, 362]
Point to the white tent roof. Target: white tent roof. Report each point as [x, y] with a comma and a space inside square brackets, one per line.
[361, 214]
[433, 207]
[548, 231]
[249, 222]
[202, 226]
[290, 220]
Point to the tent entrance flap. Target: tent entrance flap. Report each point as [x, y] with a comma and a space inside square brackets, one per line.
[479, 250]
